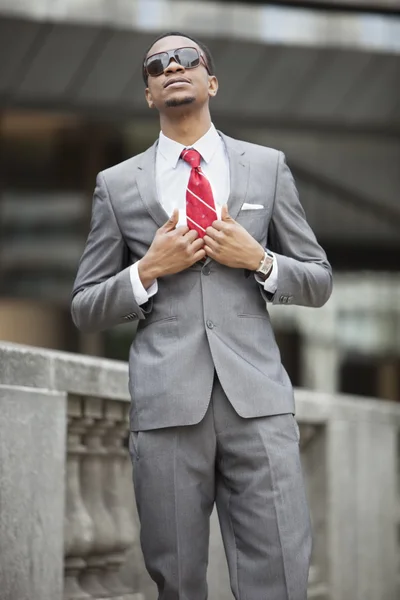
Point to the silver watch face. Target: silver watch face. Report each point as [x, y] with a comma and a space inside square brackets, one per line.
[265, 268]
[266, 264]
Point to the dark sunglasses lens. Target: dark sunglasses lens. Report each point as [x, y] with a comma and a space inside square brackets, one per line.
[157, 63]
[187, 57]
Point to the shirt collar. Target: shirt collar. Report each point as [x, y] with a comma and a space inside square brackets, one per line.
[206, 145]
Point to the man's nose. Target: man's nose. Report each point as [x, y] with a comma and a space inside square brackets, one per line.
[174, 67]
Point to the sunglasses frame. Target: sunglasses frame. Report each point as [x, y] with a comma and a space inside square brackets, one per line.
[170, 54]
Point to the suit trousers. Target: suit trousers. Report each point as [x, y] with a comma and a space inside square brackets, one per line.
[251, 469]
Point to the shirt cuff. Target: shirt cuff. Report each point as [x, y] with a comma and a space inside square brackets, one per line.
[140, 293]
[271, 284]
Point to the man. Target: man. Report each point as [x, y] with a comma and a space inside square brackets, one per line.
[190, 239]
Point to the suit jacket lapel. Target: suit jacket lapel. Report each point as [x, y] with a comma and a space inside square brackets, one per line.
[146, 182]
[239, 169]
[239, 174]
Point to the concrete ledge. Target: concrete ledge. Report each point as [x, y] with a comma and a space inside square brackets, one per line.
[63, 371]
[92, 376]
[319, 407]
[32, 459]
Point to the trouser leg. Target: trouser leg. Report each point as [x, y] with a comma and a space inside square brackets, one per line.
[261, 504]
[174, 477]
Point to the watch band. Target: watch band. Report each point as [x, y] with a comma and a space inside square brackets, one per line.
[266, 265]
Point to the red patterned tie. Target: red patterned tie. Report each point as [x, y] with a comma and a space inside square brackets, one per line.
[200, 206]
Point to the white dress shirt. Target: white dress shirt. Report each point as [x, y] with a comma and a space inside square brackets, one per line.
[172, 176]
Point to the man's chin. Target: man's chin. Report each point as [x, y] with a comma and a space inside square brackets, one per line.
[173, 102]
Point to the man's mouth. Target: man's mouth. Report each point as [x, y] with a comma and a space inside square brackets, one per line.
[176, 80]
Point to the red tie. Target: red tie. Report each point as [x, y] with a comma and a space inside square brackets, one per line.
[200, 206]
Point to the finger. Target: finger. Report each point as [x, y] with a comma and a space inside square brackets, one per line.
[217, 225]
[197, 244]
[208, 241]
[191, 235]
[213, 233]
[172, 221]
[182, 230]
[225, 214]
[209, 251]
[200, 254]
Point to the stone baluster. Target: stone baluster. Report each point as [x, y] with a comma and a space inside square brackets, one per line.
[115, 498]
[313, 457]
[133, 571]
[78, 526]
[92, 481]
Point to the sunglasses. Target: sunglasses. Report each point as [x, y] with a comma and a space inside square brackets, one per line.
[189, 58]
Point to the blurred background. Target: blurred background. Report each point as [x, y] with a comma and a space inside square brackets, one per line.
[317, 79]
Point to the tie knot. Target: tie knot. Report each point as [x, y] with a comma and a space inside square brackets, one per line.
[192, 157]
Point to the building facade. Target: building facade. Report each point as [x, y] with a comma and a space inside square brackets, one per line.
[321, 85]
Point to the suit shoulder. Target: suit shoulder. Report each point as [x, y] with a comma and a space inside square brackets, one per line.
[124, 169]
[263, 152]
[256, 152]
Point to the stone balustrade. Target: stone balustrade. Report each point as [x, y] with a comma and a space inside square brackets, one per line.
[98, 503]
[67, 510]
[99, 525]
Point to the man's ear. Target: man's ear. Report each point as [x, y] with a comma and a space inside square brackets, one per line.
[149, 98]
[212, 86]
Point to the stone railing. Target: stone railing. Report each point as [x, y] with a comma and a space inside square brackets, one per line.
[89, 414]
[350, 457]
[67, 510]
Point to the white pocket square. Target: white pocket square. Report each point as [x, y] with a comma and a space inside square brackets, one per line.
[246, 206]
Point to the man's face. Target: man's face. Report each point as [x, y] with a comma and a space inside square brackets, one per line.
[178, 86]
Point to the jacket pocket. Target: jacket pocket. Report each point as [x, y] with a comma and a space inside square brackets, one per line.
[249, 316]
[148, 322]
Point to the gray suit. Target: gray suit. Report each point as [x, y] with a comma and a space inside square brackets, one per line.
[207, 335]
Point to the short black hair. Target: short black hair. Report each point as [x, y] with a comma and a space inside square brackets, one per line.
[204, 48]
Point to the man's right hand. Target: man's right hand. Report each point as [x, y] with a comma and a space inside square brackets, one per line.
[173, 250]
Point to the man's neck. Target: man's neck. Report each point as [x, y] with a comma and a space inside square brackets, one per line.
[185, 128]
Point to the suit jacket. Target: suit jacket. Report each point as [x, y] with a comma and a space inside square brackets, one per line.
[208, 317]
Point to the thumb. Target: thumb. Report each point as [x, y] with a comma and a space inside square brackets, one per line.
[225, 216]
[172, 221]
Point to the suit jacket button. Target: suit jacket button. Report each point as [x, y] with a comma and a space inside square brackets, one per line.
[210, 324]
[134, 316]
[206, 270]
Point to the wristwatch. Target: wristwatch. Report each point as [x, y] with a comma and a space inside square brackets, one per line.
[266, 264]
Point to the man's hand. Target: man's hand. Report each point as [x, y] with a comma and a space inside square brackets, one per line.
[173, 250]
[230, 244]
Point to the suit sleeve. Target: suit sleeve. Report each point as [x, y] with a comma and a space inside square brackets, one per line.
[304, 273]
[102, 295]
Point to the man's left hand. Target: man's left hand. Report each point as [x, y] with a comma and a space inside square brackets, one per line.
[230, 244]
